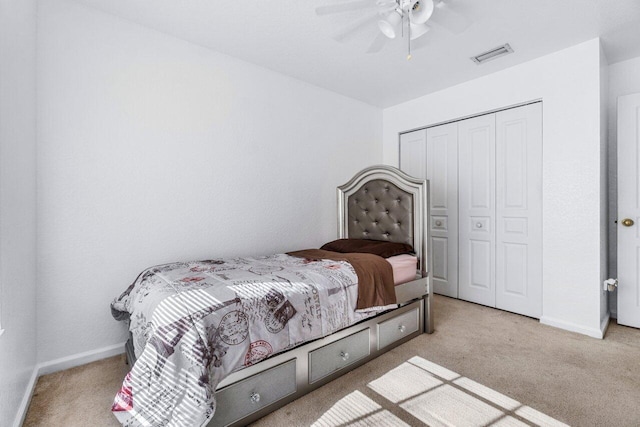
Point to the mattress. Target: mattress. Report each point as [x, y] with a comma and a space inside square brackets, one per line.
[404, 268]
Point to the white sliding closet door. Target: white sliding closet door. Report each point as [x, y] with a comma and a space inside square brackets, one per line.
[477, 202]
[413, 152]
[519, 210]
[442, 173]
[485, 177]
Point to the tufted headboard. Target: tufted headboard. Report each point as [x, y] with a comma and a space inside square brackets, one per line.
[384, 203]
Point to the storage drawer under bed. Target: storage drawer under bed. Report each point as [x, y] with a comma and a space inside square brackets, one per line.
[240, 399]
[398, 327]
[338, 355]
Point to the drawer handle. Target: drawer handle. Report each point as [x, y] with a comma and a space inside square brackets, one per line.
[478, 225]
[344, 355]
[402, 328]
[255, 397]
[438, 223]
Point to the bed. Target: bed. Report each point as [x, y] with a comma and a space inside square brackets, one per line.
[279, 326]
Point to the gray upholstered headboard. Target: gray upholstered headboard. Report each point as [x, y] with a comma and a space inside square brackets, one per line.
[384, 203]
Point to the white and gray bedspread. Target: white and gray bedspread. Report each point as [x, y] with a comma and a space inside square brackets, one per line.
[193, 323]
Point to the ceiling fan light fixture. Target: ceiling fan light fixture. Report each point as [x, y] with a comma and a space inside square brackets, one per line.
[420, 11]
[389, 25]
[418, 30]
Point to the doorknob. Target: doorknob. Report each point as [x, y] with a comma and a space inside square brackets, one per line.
[627, 222]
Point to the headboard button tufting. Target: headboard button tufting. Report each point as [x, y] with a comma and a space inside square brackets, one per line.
[382, 211]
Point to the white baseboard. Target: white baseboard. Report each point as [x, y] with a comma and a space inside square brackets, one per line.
[79, 359]
[60, 365]
[26, 399]
[573, 327]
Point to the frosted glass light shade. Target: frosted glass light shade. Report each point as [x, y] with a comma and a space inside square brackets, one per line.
[420, 11]
[389, 26]
[418, 30]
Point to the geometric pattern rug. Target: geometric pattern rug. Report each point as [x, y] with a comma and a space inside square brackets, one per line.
[436, 397]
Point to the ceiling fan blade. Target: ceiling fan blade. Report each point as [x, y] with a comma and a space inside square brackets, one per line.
[345, 7]
[354, 28]
[378, 43]
[447, 17]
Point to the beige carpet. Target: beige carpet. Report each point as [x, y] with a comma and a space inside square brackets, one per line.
[493, 367]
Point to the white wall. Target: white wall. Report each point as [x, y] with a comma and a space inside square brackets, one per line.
[568, 82]
[624, 79]
[604, 190]
[17, 205]
[152, 150]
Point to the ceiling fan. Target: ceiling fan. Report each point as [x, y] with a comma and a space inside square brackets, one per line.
[397, 17]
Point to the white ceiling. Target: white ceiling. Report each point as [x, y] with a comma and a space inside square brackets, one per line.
[288, 37]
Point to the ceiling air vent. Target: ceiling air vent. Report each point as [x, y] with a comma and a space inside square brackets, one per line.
[492, 54]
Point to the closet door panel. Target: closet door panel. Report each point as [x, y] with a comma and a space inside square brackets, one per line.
[519, 210]
[442, 173]
[413, 153]
[476, 198]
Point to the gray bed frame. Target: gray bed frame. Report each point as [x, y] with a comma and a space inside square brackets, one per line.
[379, 203]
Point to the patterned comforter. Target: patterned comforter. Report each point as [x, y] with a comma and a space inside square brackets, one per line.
[194, 323]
